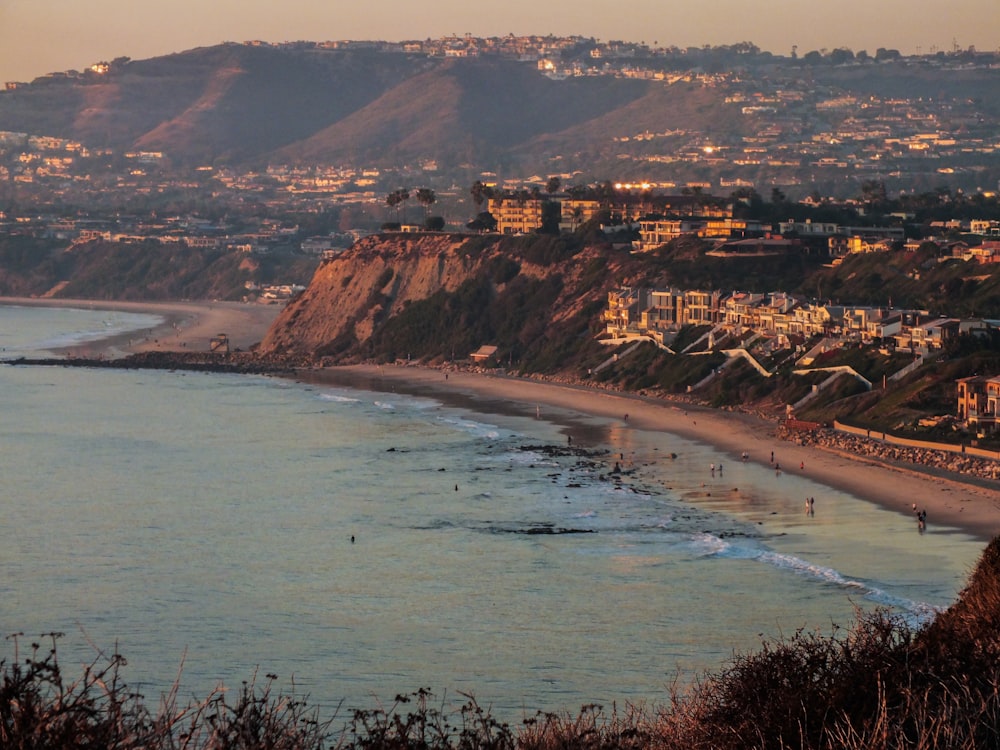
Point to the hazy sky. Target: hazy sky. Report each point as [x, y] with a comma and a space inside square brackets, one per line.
[43, 36]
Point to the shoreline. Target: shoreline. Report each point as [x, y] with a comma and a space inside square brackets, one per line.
[188, 326]
[970, 507]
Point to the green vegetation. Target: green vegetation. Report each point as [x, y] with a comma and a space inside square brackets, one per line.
[877, 685]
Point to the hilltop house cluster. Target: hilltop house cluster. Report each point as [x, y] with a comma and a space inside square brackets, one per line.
[660, 218]
[739, 323]
[773, 321]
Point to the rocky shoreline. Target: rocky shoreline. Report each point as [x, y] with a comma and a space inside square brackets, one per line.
[243, 363]
[939, 463]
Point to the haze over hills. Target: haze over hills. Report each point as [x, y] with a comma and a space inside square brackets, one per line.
[631, 114]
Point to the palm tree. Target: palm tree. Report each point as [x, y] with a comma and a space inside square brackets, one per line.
[399, 198]
[426, 198]
[392, 200]
[478, 191]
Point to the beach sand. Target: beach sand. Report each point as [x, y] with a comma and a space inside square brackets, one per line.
[187, 326]
[975, 509]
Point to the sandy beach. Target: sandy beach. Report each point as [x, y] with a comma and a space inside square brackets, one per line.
[189, 326]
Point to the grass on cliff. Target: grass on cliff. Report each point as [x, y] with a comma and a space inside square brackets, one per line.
[878, 685]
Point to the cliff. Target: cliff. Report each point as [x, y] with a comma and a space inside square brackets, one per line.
[440, 296]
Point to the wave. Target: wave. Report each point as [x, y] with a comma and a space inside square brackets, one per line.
[338, 398]
[477, 429]
[916, 613]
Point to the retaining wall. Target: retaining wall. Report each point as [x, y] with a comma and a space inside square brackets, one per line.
[886, 437]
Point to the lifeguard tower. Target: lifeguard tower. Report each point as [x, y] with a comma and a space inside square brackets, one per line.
[220, 343]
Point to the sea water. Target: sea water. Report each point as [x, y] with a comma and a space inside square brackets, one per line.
[361, 542]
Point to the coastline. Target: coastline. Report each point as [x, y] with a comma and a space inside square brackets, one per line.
[186, 326]
[949, 502]
[189, 326]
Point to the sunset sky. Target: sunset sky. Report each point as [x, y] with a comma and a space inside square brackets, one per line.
[43, 36]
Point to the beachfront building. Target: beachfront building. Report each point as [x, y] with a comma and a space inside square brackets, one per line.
[978, 398]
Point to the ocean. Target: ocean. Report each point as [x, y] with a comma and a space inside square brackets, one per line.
[361, 540]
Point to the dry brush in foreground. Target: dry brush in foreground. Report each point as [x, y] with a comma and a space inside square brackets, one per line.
[878, 686]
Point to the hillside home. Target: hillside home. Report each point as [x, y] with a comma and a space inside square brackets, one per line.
[806, 321]
[729, 227]
[737, 309]
[516, 215]
[985, 227]
[926, 336]
[988, 252]
[623, 310]
[574, 212]
[756, 246]
[666, 311]
[654, 233]
[808, 228]
[701, 307]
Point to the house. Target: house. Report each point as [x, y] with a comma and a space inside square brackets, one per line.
[624, 306]
[926, 336]
[665, 311]
[978, 397]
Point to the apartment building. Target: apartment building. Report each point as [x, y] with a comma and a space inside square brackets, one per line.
[516, 215]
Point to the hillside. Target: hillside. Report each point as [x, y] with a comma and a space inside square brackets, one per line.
[540, 300]
[230, 102]
[102, 270]
[462, 110]
[303, 104]
[436, 297]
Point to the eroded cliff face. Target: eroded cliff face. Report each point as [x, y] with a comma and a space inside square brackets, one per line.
[352, 290]
[353, 293]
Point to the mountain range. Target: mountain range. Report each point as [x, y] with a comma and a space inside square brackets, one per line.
[247, 105]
